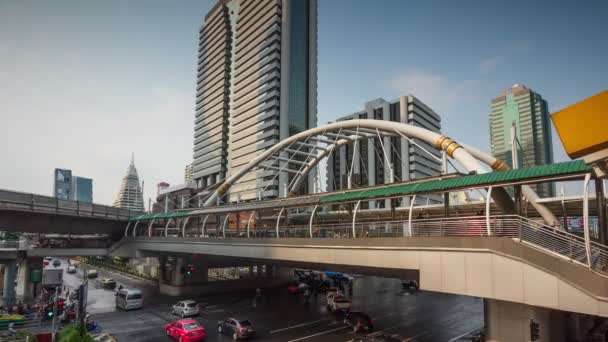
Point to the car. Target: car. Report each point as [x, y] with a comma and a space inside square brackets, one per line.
[45, 262]
[108, 283]
[236, 328]
[56, 263]
[332, 291]
[91, 274]
[186, 330]
[185, 308]
[410, 284]
[71, 269]
[296, 288]
[336, 302]
[48, 258]
[359, 321]
[377, 338]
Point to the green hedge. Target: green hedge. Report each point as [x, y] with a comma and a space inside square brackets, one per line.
[71, 334]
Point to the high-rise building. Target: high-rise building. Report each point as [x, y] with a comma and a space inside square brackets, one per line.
[188, 173]
[392, 160]
[72, 188]
[82, 189]
[257, 85]
[530, 113]
[63, 184]
[130, 195]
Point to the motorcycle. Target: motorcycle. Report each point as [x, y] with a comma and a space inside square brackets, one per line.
[94, 327]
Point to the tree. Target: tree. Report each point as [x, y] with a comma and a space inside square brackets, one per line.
[71, 333]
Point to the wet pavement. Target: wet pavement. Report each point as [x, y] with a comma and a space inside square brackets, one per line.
[279, 316]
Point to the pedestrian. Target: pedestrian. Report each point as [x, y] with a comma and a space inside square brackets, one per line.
[258, 293]
[306, 295]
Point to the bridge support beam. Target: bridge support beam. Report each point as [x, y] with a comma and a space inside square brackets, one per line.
[203, 227]
[509, 321]
[251, 216]
[601, 209]
[25, 287]
[10, 269]
[312, 218]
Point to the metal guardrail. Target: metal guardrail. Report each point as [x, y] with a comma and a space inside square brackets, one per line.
[12, 200]
[12, 244]
[533, 233]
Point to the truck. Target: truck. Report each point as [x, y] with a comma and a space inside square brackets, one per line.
[52, 277]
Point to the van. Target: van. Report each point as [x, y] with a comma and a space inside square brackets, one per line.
[128, 299]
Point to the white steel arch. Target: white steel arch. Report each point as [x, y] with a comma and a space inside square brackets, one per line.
[469, 157]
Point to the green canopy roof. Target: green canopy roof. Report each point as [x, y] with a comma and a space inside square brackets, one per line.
[161, 215]
[472, 181]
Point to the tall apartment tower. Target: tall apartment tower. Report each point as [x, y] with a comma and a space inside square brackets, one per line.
[256, 85]
[130, 195]
[394, 159]
[530, 113]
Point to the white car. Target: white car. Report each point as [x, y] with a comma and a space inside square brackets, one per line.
[185, 308]
[338, 302]
[71, 269]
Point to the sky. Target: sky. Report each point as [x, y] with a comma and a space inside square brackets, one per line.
[83, 84]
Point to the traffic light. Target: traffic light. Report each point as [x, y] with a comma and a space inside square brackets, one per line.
[48, 310]
[534, 331]
[190, 269]
[60, 306]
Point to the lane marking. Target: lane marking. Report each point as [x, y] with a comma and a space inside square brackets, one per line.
[411, 338]
[466, 333]
[296, 326]
[318, 334]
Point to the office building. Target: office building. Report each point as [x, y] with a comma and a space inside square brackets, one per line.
[82, 189]
[256, 85]
[63, 184]
[69, 187]
[130, 195]
[188, 173]
[394, 159]
[530, 113]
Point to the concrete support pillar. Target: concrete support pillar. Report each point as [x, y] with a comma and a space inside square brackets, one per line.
[9, 282]
[25, 288]
[175, 281]
[508, 321]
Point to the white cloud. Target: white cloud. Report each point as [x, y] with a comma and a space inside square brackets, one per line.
[489, 65]
[438, 92]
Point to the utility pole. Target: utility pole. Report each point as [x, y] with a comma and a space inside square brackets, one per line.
[53, 332]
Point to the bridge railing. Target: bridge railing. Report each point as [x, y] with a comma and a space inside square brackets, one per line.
[11, 200]
[536, 234]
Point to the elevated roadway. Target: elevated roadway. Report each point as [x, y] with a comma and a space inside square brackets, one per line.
[23, 212]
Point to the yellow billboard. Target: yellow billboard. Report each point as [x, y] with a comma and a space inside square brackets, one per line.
[583, 127]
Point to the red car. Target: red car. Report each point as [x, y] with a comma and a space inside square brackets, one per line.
[186, 330]
[296, 288]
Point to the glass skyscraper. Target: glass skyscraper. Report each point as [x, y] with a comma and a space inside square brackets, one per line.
[82, 189]
[68, 187]
[530, 113]
[257, 85]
